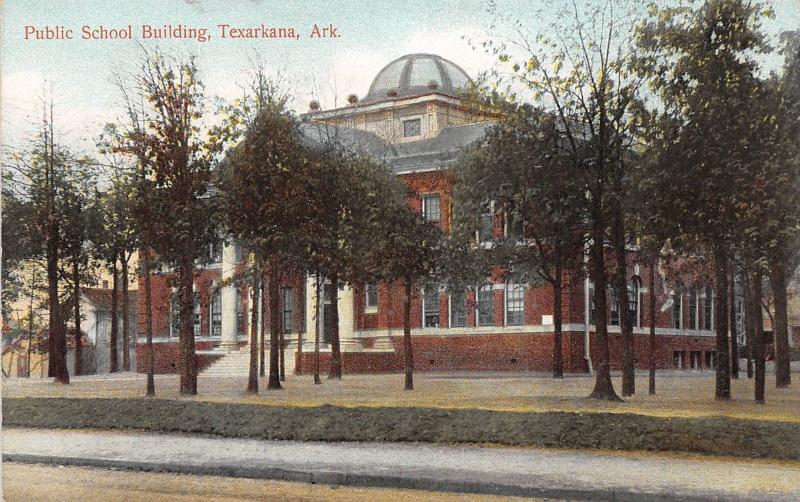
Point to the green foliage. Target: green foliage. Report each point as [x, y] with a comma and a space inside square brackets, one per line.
[713, 137]
[264, 186]
[175, 157]
[529, 177]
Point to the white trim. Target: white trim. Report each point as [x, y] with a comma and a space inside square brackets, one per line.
[529, 329]
[140, 340]
[383, 105]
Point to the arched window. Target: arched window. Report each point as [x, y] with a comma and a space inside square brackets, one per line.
[215, 328]
[693, 308]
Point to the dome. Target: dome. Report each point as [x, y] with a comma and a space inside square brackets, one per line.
[415, 74]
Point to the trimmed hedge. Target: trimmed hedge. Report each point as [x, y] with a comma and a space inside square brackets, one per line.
[612, 431]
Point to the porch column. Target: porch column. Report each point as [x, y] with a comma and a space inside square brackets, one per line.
[229, 335]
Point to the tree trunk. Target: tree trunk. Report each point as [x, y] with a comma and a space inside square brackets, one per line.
[749, 315]
[777, 280]
[144, 264]
[187, 363]
[625, 322]
[335, 371]
[316, 327]
[30, 328]
[723, 371]
[126, 350]
[758, 338]
[282, 352]
[252, 374]
[114, 341]
[266, 285]
[408, 354]
[76, 284]
[558, 356]
[298, 359]
[652, 380]
[732, 320]
[57, 340]
[604, 387]
[281, 338]
[274, 382]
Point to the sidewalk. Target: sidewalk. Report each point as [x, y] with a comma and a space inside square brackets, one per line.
[500, 471]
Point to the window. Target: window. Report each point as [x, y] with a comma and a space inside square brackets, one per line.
[614, 306]
[430, 307]
[215, 252]
[515, 304]
[634, 301]
[592, 312]
[486, 223]
[216, 313]
[485, 307]
[430, 208]
[288, 316]
[458, 309]
[708, 314]
[197, 316]
[239, 312]
[371, 293]
[241, 251]
[174, 314]
[677, 308]
[514, 226]
[412, 128]
[692, 308]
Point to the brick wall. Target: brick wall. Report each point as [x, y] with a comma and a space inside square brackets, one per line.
[165, 357]
[509, 352]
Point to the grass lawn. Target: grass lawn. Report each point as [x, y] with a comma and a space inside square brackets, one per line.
[680, 394]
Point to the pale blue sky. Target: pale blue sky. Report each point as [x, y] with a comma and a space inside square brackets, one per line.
[372, 33]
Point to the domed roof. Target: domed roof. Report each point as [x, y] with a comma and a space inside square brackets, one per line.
[415, 74]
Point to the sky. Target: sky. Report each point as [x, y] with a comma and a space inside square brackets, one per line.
[79, 73]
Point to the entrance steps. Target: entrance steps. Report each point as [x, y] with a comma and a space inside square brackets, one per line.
[236, 363]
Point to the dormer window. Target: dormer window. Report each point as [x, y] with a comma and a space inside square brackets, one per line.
[412, 127]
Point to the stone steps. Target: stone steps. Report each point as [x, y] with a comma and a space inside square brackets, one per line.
[237, 363]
